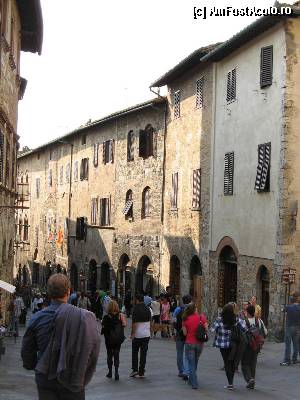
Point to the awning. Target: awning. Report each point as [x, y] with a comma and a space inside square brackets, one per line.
[7, 286]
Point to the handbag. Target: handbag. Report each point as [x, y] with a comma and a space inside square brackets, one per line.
[201, 333]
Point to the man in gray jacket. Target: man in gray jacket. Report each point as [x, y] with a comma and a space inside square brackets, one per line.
[61, 344]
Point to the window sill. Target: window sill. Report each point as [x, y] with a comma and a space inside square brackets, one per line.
[174, 209]
[196, 209]
[101, 226]
[230, 102]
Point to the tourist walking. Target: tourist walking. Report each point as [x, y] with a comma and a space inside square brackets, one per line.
[165, 315]
[256, 333]
[291, 334]
[113, 325]
[227, 327]
[253, 301]
[193, 346]
[61, 344]
[155, 307]
[182, 363]
[140, 335]
[84, 302]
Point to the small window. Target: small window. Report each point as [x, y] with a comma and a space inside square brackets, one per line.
[38, 156]
[50, 154]
[262, 181]
[196, 189]
[128, 208]
[36, 236]
[76, 171]
[83, 139]
[26, 229]
[108, 151]
[84, 169]
[1, 156]
[174, 196]
[199, 92]
[68, 173]
[146, 203]
[61, 175]
[105, 211]
[266, 66]
[231, 86]
[94, 211]
[147, 142]
[37, 187]
[130, 146]
[50, 178]
[177, 104]
[81, 228]
[95, 156]
[228, 173]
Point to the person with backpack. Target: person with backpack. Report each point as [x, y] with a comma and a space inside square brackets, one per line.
[227, 327]
[113, 325]
[256, 332]
[191, 322]
[182, 363]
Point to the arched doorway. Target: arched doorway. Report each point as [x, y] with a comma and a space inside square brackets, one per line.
[174, 280]
[74, 277]
[105, 276]
[124, 275]
[144, 282]
[92, 282]
[262, 291]
[195, 276]
[227, 280]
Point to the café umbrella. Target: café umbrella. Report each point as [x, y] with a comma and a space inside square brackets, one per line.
[7, 286]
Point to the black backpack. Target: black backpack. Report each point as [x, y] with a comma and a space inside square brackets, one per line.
[178, 325]
[116, 335]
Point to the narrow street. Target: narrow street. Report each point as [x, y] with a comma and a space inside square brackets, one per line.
[273, 382]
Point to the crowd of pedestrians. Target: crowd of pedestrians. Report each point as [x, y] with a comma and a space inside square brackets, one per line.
[238, 333]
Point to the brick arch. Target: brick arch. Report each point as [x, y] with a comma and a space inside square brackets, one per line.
[227, 241]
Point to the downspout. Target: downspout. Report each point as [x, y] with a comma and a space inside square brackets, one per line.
[163, 185]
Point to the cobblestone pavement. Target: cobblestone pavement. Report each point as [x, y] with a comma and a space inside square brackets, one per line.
[161, 382]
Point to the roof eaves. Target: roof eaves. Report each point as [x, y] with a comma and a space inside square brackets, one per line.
[250, 32]
[121, 113]
[188, 62]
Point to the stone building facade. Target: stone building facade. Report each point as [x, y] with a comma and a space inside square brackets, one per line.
[20, 29]
[187, 173]
[79, 186]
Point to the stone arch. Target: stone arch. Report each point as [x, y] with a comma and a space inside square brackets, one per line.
[227, 276]
[92, 275]
[144, 283]
[195, 272]
[262, 291]
[174, 279]
[227, 241]
[74, 277]
[105, 276]
[124, 275]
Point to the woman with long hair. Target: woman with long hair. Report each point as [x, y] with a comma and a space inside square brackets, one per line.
[225, 326]
[193, 347]
[113, 325]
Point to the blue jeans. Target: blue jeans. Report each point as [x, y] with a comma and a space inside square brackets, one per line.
[193, 352]
[182, 362]
[291, 335]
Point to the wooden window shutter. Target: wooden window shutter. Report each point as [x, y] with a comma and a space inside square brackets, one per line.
[101, 212]
[86, 169]
[199, 92]
[81, 169]
[95, 158]
[262, 181]
[266, 66]
[231, 86]
[196, 188]
[104, 153]
[112, 150]
[109, 210]
[142, 144]
[177, 104]
[228, 173]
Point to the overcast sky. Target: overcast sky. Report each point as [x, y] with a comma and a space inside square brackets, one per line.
[101, 56]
